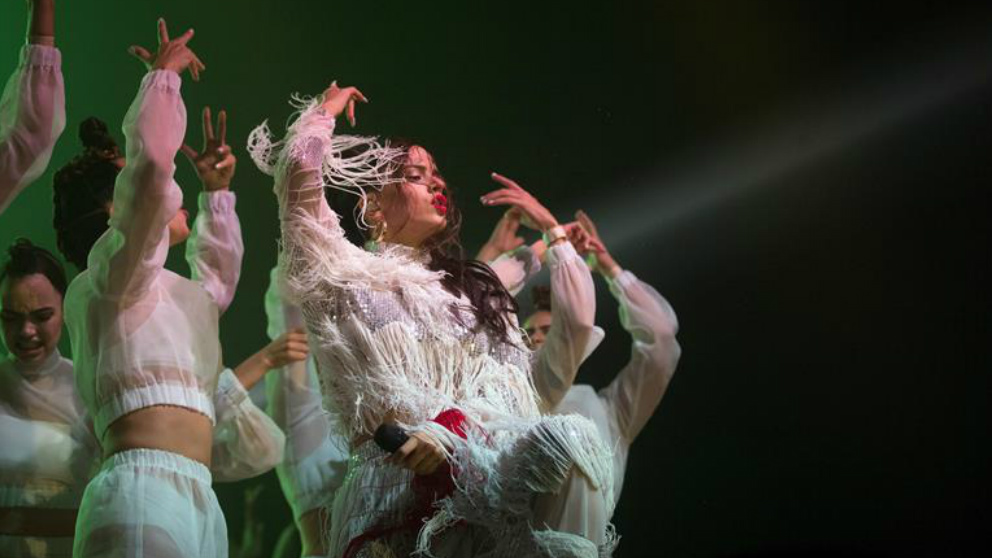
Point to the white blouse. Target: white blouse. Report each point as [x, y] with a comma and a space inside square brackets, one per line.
[621, 409]
[49, 450]
[32, 117]
[141, 334]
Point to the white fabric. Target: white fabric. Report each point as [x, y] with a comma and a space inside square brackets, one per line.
[150, 504]
[574, 334]
[32, 117]
[246, 441]
[143, 335]
[621, 409]
[388, 337]
[48, 448]
[315, 459]
[515, 267]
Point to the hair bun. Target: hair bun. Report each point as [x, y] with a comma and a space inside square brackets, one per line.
[20, 247]
[95, 136]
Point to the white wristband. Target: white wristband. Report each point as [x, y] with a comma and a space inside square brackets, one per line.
[554, 234]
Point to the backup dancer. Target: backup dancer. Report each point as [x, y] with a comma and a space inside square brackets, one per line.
[49, 451]
[412, 335]
[621, 409]
[145, 340]
[316, 456]
[32, 109]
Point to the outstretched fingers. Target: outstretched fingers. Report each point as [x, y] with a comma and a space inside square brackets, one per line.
[208, 127]
[505, 181]
[141, 53]
[222, 127]
[163, 32]
[190, 153]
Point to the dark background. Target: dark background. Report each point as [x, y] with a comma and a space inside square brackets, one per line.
[806, 183]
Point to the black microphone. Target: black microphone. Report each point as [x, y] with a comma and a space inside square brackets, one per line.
[390, 437]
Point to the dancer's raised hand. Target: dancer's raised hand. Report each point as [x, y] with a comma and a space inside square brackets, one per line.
[533, 214]
[215, 163]
[172, 54]
[601, 260]
[337, 99]
[504, 237]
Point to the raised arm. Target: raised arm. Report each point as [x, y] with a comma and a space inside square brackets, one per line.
[126, 259]
[573, 333]
[637, 389]
[215, 249]
[32, 108]
[317, 259]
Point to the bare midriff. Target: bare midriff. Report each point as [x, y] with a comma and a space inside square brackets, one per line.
[162, 427]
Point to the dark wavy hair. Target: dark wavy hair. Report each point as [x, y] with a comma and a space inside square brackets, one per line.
[490, 302]
[24, 258]
[82, 192]
[540, 298]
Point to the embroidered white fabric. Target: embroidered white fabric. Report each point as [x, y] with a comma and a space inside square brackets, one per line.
[388, 337]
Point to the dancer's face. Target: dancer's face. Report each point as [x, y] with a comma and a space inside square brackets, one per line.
[537, 327]
[415, 209]
[31, 313]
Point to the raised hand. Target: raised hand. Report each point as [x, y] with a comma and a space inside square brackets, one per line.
[600, 259]
[503, 239]
[532, 213]
[337, 99]
[172, 54]
[215, 163]
[584, 243]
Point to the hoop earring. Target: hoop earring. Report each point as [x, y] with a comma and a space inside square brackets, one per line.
[379, 231]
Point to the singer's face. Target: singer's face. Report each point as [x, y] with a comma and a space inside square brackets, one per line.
[537, 327]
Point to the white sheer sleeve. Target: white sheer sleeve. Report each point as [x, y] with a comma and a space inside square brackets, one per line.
[214, 250]
[131, 254]
[573, 334]
[32, 117]
[635, 393]
[516, 267]
[246, 441]
[316, 458]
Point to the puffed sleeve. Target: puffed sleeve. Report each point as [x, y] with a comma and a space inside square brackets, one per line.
[32, 117]
[516, 267]
[125, 261]
[637, 389]
[573, 334]
[247, 442]
[215, 249]
[316, 458]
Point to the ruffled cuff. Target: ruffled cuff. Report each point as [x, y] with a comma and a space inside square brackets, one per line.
[220, 202]
[41, 56]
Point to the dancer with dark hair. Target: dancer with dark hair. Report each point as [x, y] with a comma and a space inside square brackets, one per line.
[411, 334]
[49, 450]
[32, 109]
[148, 358]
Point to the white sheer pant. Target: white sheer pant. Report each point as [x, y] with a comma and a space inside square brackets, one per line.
[150, 504]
